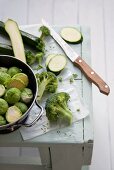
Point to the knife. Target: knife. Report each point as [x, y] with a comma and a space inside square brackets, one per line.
[79, 62]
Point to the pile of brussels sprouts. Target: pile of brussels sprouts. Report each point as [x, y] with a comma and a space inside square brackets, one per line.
[15, 96]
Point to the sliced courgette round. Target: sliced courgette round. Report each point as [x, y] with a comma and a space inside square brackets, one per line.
[49, 57]
[57, 63]
[71, 35]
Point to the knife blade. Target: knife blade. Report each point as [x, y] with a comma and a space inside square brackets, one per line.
[91, 75]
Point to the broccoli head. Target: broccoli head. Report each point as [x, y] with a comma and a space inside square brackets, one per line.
[40, 45]
[57, 109]
[47, 81]
[45, 31]
[30, 57]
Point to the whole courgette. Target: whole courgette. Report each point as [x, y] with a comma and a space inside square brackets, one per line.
[6, 49]
[28, 39]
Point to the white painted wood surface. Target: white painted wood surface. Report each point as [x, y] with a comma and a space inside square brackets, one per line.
[99, 15]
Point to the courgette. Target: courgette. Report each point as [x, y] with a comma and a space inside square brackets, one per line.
[49, 57]
[28, 39]
[12, 29]
[6, 49]
[57, 63]
[71, 35]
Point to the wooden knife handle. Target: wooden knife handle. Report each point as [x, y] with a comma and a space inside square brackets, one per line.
[92, 75]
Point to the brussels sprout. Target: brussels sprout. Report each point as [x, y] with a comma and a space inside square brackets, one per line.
[2, 120]
[17, 83]
[26, 95]
[4, 78]
[23, 107]
[3, 69]
[13, 114]
[12, 95]
[13, 70]
[2, 90]
[23, 77]
[3, 106]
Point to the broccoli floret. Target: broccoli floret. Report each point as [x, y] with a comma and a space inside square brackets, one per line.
[39, 57]
[45, 32]
[57, 109]
[47, 81]
[30, 57]
[40, 41]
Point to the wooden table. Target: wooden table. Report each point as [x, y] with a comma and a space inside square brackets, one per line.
[58, 151]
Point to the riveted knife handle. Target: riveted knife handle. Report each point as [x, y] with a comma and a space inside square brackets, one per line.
[92, 75]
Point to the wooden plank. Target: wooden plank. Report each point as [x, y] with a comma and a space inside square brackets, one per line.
[67, 157]
[20, 160]
[22, 167]
[14, 9]
[91, 13]
[29, 151]
[45, 156]
[109, 60]
[87, 98]
[87, 88]
[85, 168]
[65, 12]
[9, 151]
[38, 10]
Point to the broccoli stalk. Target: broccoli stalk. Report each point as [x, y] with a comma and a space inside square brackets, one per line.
[40, 40]
[47, 81]
[57, 108]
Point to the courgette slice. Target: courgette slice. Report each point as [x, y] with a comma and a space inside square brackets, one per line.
[6, 49]
[57, 63]
[12, 29]
[28, 39]
[49, 57]
[71, 35]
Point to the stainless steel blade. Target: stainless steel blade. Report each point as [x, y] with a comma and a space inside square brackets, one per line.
[72, 55]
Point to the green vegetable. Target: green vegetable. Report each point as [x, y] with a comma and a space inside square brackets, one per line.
[2, 90]
[47, 81]
[60, 79]
[74, 75]
[26, 95]
[30, 57]
[23, 107]
[40, 40]
[28, 39]
[39, 57]
[57, 63]
[13, 70]
[71, 80]
[22, 77]
[57, 109]
[13, 114]
[17, 83]
[6, 49]
[71, 35]
[2, 120]
[49, 57]
[12, 95]
[3, 106]
[12, 29]
[3, 69]
[4, 78]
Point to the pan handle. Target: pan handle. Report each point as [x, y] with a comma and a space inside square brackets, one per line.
[37, 118]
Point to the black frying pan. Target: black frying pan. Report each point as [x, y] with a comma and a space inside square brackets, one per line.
[9, 61]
